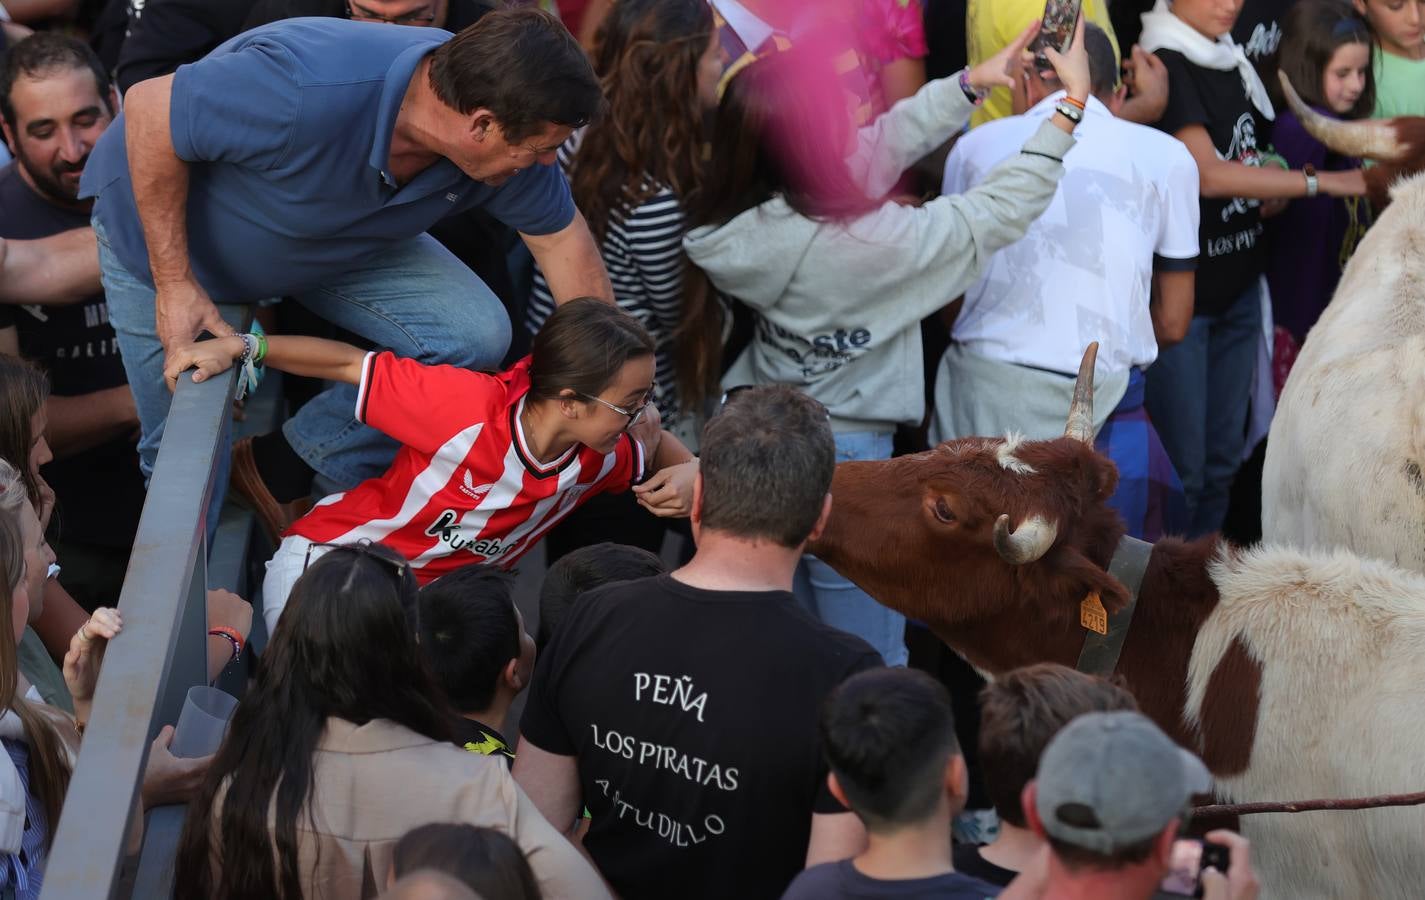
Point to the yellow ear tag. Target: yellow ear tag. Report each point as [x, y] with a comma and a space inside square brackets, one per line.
[1092, 615]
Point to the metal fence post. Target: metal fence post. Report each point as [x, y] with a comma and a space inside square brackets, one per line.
[161, 652]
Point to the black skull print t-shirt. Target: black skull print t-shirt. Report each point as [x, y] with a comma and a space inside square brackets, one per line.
[1230, 233]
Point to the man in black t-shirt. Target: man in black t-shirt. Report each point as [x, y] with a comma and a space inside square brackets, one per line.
[682, 709]
[55, 101]
[474, 637]
[1258, 30]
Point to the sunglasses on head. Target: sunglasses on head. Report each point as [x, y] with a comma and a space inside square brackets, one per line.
[366, 548]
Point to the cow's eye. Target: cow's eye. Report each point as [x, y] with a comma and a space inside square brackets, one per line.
[943, 511]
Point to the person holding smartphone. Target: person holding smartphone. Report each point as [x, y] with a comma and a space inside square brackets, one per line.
[1116, 836]
[837, 275]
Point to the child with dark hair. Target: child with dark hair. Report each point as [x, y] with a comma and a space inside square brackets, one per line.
[1326, 52]
[474, 638]
[889, 736]
[342, 744]
[583, 570]
[1020, 712]
[483, 859]
[488, 462]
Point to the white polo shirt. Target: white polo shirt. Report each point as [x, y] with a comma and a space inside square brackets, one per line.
[1128, 203]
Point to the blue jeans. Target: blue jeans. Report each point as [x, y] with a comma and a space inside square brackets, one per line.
[1197, 397]
[415, 298]
[835, 600]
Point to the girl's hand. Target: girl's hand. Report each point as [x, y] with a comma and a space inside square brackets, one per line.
[211, 357]
[669, 493]
[1147, 80]
[86, 654]
[227, 608]
[999, 70]
[46, 507]
[1073, 67]
[1351, 183]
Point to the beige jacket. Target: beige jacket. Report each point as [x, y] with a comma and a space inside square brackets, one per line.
[375, 782]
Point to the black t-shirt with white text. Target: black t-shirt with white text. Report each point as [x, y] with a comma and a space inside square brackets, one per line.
[1259, 33]
[98, 492]
[693, 715]
[1231, 255]
[1258, 30]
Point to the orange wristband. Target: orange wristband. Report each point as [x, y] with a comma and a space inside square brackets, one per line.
[1072, 102]
[232, 635]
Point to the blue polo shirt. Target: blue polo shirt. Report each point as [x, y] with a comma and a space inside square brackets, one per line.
[287, 132]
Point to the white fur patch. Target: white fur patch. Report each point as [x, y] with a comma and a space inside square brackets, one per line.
[1342, 645]
[1007, 460]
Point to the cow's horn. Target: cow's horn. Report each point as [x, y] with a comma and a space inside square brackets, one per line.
[1362, 138]
[1080, 426]
[1031, 540]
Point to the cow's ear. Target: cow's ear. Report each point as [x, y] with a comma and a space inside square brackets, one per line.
[1080, 577]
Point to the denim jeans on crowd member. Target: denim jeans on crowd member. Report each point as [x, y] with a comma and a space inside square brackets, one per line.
[1198, 397]
[835, 600]
[415, 299]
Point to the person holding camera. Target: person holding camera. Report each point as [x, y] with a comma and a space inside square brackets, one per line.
[1113, 835]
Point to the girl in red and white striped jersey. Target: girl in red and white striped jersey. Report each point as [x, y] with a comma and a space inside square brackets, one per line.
[488, 462]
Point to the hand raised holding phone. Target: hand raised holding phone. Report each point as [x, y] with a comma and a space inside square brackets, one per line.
[1001, 69]
[1072, 65]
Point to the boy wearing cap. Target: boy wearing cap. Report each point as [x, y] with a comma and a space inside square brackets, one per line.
[889, 736]
[1020, 712]
[1109, 797]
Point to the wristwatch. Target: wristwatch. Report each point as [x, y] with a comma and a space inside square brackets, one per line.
[1312, 185]
[1069, 111]
[973, 94]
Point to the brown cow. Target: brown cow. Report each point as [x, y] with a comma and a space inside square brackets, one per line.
[1000, 614]
[1293, 675]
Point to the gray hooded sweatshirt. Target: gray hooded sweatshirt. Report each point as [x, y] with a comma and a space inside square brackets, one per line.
[839, 303]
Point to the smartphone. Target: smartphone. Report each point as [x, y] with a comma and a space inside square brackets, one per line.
[1190, 857]
[1056, 29]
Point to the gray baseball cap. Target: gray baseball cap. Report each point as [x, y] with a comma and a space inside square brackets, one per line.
[1109, 780]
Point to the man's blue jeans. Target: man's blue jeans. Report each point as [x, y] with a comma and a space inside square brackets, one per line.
[834, 599]
[1197, 396]
[415, 299]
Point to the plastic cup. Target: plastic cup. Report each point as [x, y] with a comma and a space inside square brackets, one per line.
[203, 722]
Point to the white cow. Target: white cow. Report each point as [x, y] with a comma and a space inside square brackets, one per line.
[1346, 456]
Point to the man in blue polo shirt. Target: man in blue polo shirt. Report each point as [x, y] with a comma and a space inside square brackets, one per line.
[307, 158]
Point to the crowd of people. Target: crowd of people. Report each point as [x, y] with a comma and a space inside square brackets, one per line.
[626, 280]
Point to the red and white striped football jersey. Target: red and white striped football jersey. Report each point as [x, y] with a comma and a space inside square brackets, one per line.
[464, 487]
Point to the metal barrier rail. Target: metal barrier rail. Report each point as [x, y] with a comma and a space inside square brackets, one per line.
[149, 667]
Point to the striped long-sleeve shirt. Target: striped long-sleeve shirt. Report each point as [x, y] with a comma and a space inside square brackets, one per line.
[643, 252]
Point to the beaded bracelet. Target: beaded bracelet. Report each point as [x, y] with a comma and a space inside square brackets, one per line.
[231, 635]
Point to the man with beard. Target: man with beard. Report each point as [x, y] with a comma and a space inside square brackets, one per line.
[56, 100]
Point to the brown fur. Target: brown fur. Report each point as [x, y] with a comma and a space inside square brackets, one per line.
[885, 536]
[1410, 133]
[1229, 722]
